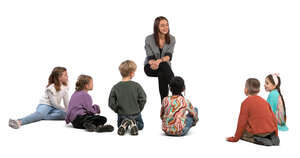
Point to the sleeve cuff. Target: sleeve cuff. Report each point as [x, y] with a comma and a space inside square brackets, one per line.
[170, 55]
[151, 57]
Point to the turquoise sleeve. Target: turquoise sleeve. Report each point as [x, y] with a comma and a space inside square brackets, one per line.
[273, 100]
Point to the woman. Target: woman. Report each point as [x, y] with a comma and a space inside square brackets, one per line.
[159, 50]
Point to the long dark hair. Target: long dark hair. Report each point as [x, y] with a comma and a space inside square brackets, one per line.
[270, 77]
[156, 30]
[54, 77]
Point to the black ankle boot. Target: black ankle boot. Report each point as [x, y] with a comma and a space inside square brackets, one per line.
[89, 127]
[105, 128]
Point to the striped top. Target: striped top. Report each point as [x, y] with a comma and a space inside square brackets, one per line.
[173, 114]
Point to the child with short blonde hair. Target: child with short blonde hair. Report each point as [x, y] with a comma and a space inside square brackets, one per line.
[127, 98]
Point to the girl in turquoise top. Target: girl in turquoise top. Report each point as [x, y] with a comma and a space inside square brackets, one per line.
[276, 101]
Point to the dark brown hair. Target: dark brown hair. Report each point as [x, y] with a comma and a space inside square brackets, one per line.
[54, 77]
[177, 85]
[82, 80]
[253, 85]
[156, 30]
[270, 77]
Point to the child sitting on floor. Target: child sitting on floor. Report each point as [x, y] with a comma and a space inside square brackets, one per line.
[127, 98]
[276, 101]
[257, 123]
[81, 111]
[177, 113]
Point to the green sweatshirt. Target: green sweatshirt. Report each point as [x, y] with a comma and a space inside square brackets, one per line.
[127, 98]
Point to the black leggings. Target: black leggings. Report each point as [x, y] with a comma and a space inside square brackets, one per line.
[88, 118]
[164, 74]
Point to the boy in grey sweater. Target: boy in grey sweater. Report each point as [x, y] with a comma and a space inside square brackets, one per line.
[127, 98]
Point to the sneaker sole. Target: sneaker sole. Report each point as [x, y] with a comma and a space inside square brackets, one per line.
[123, 127]
[121, 131]
[13, 124]
[134, 130]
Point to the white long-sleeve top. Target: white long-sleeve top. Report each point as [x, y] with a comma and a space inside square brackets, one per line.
[53, 97]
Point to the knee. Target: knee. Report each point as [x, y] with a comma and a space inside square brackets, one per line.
[63, 114]
[147, 70]
[41, 115]
[196, 109]
[140, 125]
[104, 119]
[164, 67]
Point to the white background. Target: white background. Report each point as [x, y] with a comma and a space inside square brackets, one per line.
[219, 45]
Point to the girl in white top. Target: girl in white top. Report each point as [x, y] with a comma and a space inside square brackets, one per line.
[49, 107]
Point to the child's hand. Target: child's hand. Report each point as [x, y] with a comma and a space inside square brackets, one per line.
[231, 139]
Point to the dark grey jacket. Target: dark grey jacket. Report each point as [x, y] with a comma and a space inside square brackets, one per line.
[127, 98]
[152, 50]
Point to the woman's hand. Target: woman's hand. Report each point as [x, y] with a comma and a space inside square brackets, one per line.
[151, 62]
[154, 64]
[158, 61]
[154, 67]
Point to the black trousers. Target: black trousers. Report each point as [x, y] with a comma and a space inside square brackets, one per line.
[164, 74]
[88, 118]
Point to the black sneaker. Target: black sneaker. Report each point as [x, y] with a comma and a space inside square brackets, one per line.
[89, 127]
[122, 128]
[105, 128]
[133, 128]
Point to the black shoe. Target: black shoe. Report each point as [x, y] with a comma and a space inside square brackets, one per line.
[133, 128]
[89, 127]
[122, 128]
[105, 128]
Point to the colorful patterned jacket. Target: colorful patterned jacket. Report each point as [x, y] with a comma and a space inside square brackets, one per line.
[173, 114]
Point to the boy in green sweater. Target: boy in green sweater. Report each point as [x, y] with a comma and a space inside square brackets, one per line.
[127, 98]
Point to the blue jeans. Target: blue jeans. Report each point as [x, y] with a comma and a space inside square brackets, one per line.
[137, 118]
[189, 123]
[44, 112]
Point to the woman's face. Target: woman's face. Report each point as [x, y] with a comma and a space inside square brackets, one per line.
[163, 27]
[268, 85]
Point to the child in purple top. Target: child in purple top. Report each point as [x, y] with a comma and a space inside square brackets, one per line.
[81, 111]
